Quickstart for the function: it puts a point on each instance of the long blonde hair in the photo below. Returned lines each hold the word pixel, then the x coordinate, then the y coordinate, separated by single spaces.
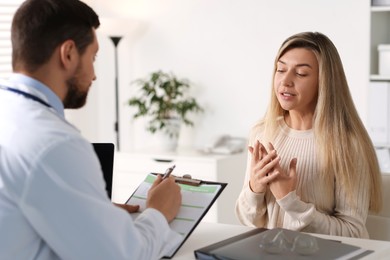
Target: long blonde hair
pixel 343 144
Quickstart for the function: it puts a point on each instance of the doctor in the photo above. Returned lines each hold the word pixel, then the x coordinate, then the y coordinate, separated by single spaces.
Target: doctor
pixel 53 203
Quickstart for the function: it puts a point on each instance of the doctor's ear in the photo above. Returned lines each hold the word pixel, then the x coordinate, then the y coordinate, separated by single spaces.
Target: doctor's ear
pixel 68 54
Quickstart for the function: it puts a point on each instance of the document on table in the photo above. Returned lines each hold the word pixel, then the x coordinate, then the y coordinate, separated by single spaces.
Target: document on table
pixel 277 244
pixel 196 201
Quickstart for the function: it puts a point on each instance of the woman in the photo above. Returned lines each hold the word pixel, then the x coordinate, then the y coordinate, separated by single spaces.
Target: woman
pixel 311 165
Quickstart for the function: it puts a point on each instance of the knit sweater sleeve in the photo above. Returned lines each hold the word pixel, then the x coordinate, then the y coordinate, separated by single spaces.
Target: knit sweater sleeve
pixel 347 219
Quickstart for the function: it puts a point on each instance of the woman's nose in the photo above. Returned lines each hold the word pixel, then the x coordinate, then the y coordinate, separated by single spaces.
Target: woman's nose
pixel 287 80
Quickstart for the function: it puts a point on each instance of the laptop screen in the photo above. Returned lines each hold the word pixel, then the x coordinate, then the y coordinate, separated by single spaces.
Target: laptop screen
pixel 105 153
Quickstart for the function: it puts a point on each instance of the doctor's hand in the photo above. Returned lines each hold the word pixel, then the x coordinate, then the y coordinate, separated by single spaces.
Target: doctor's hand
pixel 128 208
pixel 286 181
pixel 262 167
pixel 165 196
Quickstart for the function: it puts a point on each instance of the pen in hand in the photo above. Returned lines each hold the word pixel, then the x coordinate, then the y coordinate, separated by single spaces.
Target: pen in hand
pixel 168 172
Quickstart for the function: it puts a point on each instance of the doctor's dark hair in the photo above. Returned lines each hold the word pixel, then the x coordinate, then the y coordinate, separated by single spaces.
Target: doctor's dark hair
pixel 40 26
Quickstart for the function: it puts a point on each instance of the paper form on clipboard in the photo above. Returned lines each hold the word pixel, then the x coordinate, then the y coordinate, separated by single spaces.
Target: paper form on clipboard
pixel 196 201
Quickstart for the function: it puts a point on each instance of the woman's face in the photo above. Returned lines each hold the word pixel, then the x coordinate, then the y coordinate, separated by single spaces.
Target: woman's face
pixel 296 81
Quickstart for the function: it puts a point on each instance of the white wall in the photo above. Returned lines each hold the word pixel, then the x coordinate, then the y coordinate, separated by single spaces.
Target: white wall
pixel 226 48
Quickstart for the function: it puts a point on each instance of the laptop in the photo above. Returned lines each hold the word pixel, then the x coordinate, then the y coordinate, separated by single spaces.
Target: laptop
pixel 105 153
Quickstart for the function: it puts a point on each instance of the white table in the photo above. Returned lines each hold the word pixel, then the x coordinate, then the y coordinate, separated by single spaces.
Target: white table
pixel 209 233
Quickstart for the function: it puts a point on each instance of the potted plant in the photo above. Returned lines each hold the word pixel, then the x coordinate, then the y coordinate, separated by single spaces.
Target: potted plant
pixel 163 99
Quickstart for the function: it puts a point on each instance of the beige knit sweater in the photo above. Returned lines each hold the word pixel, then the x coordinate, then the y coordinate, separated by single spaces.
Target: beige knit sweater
pixel 311 208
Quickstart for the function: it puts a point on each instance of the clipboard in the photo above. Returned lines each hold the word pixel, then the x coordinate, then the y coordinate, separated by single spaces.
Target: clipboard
pixel 197 198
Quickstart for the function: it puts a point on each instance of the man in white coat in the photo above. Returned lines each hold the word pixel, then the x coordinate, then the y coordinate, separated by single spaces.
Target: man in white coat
pixel 53 203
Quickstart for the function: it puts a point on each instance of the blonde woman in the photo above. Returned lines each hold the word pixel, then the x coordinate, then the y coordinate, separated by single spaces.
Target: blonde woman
pixel 311 165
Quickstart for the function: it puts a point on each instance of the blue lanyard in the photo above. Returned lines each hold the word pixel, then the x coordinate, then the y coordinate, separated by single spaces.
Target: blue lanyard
pixel 26 95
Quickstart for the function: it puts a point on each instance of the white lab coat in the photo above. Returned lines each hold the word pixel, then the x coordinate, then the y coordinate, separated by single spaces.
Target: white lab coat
pixel 53 203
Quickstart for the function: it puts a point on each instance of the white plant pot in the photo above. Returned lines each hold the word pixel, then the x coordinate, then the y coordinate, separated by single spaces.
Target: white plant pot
pixel 165 142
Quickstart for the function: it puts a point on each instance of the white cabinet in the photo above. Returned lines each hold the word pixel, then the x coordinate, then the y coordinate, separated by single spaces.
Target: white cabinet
pixel 131 168
pixel 379 112
pixel 379 34
pixel 379 87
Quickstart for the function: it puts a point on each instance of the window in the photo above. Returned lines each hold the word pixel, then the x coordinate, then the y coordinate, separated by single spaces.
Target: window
pixel 7 10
